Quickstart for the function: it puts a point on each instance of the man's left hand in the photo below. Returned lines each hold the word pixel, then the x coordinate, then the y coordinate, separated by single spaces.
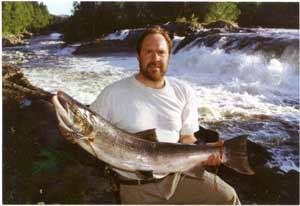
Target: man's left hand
pixel 214 160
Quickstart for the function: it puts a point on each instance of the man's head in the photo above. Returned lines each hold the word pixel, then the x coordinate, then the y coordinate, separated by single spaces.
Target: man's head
pixel 153 50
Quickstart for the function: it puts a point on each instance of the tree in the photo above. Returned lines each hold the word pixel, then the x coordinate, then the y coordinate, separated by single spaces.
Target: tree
pixel 20 16
pixel 222 11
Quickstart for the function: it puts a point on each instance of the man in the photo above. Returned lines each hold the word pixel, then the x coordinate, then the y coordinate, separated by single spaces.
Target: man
pixel 150 100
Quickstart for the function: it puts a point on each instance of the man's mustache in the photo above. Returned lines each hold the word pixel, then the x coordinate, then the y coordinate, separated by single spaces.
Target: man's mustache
pixel 152 64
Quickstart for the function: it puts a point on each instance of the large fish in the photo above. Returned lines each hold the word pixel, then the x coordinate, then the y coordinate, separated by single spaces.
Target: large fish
pixel 130 152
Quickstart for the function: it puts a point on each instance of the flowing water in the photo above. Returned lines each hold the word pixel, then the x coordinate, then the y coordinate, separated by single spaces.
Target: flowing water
pixel 246 83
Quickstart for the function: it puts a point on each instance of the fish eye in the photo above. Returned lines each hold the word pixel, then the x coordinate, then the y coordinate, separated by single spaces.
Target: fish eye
pixel 77 112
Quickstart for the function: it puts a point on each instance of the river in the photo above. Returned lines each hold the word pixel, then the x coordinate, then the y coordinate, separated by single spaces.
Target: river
pixel 244 85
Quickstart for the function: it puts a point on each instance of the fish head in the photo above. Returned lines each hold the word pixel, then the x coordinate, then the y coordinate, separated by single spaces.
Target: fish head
pixel 74 118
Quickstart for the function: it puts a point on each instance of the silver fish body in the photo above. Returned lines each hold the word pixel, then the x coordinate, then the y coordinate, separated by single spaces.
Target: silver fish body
pixel 129 152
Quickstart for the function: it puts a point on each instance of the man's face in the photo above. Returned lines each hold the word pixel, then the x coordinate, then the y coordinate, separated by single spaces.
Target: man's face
pixel 154 57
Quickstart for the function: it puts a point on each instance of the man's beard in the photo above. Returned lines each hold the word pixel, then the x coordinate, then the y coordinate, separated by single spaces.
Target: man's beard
pixel 157 76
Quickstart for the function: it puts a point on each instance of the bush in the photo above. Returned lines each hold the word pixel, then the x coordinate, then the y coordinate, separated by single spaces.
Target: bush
pixel 222 11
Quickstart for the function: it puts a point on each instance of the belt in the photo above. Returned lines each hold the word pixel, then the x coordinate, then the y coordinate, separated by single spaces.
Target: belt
pixel 138 182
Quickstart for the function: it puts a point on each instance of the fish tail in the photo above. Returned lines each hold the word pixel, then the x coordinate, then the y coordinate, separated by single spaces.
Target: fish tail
pixel 236 158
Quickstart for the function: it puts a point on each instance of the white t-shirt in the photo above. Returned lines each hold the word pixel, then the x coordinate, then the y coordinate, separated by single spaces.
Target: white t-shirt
pixel 134 107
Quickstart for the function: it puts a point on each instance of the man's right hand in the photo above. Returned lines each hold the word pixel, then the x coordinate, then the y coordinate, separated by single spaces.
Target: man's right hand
pixel 214 160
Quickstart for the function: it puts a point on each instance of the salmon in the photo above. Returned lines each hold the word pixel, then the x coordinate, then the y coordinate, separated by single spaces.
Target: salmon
pixel 138 152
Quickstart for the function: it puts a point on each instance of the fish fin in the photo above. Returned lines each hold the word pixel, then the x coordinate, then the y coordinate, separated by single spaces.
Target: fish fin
pixel 235 151
pixel 196 171
pixel 145 174
pixel 149 135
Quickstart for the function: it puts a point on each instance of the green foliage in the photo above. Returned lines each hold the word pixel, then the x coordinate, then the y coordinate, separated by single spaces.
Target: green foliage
pixel 20 16
pixel 192 21
pixel 222 11
pixel 51 159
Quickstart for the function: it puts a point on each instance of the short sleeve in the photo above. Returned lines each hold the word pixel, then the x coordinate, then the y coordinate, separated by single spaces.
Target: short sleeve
pixel 190 113
pixel 102 104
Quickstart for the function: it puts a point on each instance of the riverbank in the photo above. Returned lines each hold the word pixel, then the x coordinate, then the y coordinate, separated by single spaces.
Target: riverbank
pixel 40 166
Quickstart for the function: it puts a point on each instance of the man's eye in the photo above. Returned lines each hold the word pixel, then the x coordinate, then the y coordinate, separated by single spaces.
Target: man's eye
pixel 162 52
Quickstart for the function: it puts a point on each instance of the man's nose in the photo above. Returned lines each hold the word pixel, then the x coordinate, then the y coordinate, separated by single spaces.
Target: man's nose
pixel 155 56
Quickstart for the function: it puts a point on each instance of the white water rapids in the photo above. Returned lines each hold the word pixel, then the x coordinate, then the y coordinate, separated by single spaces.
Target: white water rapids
pixel 238 92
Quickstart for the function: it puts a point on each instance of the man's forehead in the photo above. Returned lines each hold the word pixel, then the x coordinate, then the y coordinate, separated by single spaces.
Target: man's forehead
pixel 155 40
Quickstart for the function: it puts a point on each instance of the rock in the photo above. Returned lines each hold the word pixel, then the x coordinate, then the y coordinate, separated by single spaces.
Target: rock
pixel 16 86
pixel 207 37
pixel 228 25
pixel 104 47
pixel 13 40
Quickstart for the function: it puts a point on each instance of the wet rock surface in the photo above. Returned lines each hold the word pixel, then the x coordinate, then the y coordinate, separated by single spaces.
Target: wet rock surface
pixel 39 165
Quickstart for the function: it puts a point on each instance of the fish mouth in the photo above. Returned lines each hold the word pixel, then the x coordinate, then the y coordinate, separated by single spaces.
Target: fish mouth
pixel 60 102
pixel 62 109
pixel 63 99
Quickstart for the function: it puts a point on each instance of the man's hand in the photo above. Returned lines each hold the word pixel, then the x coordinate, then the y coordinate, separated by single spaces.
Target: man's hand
pixel 214 160
pixel 188 139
